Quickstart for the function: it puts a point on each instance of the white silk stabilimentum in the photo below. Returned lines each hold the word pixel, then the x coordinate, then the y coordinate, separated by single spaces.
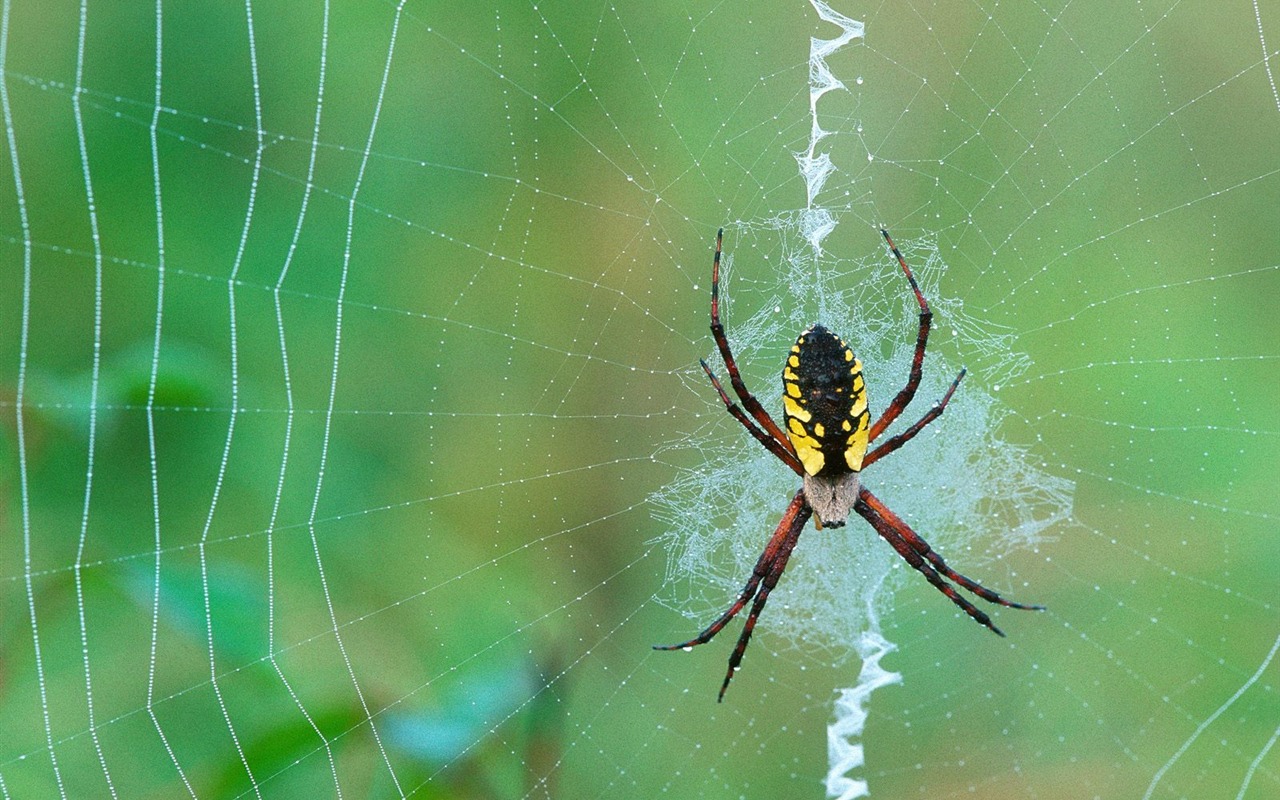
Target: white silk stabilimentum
pixel 844 751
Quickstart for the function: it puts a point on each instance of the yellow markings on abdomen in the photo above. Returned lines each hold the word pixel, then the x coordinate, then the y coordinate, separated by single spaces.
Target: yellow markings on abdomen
pixel 793 409
pixel 824 404
pixel 808 448
pixel 856 443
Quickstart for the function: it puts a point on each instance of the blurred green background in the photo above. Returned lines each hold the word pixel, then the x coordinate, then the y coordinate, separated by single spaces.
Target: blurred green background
pixel 436 574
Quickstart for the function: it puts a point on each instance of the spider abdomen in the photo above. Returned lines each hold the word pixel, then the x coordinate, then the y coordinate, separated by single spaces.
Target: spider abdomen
pixel 824 403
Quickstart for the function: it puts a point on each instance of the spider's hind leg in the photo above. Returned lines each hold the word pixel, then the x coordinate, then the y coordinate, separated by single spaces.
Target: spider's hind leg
pixel 900 401
pixel 749 401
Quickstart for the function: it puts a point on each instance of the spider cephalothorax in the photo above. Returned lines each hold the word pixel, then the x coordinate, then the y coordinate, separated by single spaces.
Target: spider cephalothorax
pixel 828 430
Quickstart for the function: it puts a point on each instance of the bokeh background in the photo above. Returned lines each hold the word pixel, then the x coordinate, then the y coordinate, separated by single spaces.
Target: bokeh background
pixel 345 349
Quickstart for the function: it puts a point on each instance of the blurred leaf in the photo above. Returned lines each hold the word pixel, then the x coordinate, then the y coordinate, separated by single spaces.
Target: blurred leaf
pixel 476 703
pixel 236 605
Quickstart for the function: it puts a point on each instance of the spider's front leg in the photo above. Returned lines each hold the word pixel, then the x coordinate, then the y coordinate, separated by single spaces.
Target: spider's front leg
pixel 917 543
pixel 917 552
pixel 764 577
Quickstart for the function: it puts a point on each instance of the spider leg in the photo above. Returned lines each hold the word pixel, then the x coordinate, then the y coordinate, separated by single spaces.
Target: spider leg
pixel 919 545
pixel 768 569
pixel 894 442
pixel 890 534
pixel 786 456
pixel 922 337
pixel 770 580
pixel 749 402
pixel 789 527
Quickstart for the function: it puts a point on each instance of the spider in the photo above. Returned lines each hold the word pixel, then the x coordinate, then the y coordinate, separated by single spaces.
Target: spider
pixel 828 430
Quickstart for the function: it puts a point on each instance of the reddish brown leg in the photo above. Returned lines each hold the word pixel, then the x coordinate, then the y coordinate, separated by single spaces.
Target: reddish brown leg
pixel 765 439
pixel 797 510
pixel 764 577
pixel 917 362
pixel 912 557
pixel 894 442
pixel 770 581
pixel 749 402
pixel 919 545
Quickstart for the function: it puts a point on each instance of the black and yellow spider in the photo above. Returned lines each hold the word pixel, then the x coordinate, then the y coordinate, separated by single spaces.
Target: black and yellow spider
pixel 824 403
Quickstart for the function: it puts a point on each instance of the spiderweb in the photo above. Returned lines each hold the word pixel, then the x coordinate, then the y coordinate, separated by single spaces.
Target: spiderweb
pixel 354 441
